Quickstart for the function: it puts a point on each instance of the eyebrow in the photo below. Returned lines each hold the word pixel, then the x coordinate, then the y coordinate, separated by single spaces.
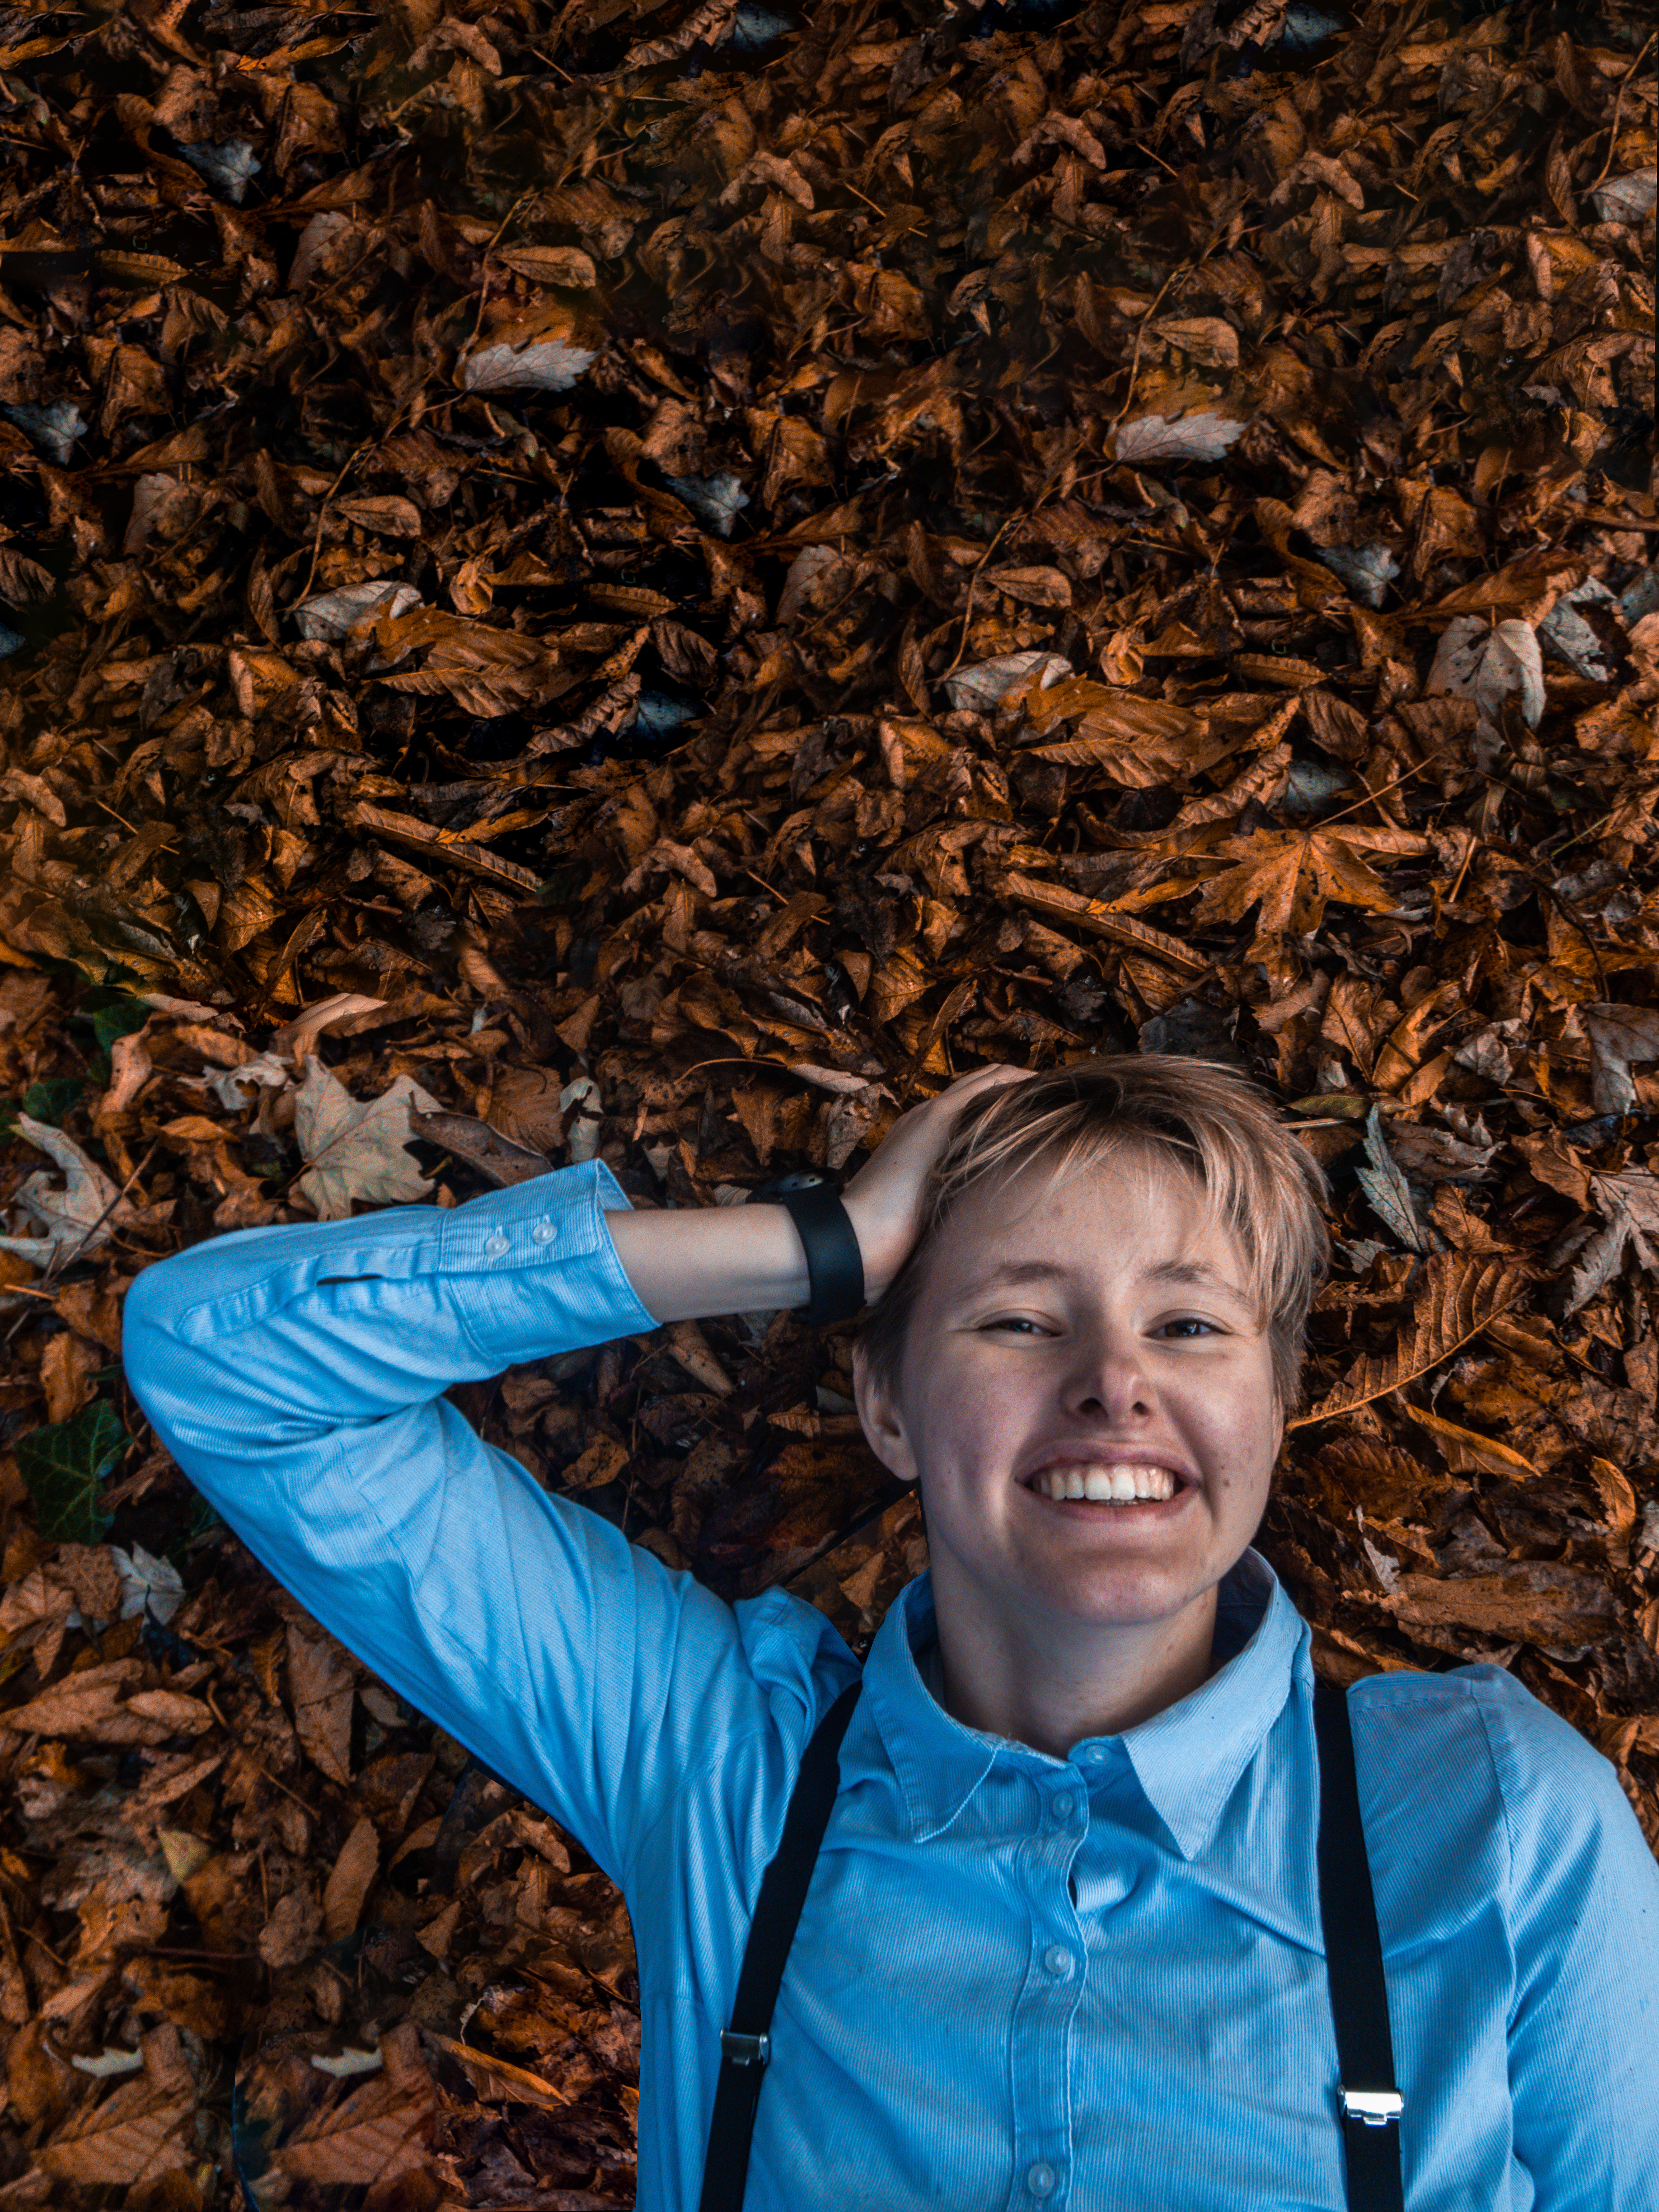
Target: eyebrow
pixel 1008 1272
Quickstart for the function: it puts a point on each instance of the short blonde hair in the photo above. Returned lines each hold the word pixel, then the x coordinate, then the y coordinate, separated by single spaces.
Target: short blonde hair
pixel 1216 1125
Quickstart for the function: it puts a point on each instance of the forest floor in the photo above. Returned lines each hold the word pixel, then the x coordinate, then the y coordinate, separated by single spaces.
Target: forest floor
pixel 659 582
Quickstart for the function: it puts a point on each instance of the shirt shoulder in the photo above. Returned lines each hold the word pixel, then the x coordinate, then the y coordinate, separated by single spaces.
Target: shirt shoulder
pixel 1459 1749
pixel 1527 1737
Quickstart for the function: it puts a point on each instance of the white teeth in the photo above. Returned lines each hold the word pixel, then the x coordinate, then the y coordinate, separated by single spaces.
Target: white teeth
pixel 1117 1485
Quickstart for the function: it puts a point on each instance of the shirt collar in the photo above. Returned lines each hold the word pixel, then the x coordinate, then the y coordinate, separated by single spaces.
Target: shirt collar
pixel 1187 1758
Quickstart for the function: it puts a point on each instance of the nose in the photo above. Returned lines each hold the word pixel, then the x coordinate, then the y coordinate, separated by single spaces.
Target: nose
pixel 1114 1376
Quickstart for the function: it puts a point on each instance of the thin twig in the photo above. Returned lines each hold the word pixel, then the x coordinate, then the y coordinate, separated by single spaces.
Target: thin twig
pixel 322 515
pixel 1613 128
pixel 1141 332
pixel 973 582
pixel 1325 820
pixel 54 1262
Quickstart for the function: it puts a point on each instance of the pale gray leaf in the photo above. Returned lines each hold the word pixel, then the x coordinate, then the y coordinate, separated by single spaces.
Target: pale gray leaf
pixel 1150 437
pixel 1618 1035
pixel 54 429
pixel 1570 637
pixel 982 686
pixel 228 167
pixel 716 498
pixel 1626 199
pixel 1387 1188
pixel 545 365
pixel 1488 663
pixel 336 614
pixel 1367 570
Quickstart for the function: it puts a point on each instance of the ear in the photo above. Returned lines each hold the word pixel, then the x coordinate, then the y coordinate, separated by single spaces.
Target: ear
pixel 882 1421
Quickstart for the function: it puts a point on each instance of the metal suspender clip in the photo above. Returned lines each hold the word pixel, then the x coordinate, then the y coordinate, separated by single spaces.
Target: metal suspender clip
pixel 745 2050
pixel 1377 2107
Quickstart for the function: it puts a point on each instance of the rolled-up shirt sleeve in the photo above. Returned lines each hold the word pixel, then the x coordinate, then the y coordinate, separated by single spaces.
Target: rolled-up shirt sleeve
pixel 297 1375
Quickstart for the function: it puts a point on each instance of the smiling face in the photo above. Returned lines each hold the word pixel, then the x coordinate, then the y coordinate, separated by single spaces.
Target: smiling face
pixel 1129 1350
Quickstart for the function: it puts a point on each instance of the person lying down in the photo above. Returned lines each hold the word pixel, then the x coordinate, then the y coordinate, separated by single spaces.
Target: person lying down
pixel 1065 1939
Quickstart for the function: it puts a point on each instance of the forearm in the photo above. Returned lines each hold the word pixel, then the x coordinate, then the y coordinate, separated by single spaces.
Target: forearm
pixel 267 1340
pixel 693 1264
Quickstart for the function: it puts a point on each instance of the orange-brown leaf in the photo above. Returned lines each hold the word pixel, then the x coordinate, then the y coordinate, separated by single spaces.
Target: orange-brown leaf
pixel 1458 1296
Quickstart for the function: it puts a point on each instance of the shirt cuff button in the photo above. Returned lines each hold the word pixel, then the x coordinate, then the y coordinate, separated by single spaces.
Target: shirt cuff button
pixel 543 1232
pixel 495 1246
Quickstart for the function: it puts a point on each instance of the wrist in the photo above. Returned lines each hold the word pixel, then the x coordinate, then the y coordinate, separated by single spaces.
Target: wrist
pixel 700 1263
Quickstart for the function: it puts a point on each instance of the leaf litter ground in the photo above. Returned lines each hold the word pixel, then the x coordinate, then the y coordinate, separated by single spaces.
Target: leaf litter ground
pixel 659 583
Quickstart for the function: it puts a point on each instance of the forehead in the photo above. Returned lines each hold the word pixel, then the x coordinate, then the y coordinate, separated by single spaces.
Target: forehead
pixel 1137 1214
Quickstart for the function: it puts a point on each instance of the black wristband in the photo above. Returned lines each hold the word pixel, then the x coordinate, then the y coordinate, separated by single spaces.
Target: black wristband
pixel 835 1265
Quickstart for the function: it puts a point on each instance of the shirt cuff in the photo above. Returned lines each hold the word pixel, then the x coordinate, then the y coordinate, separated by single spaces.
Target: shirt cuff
pixel 540 1265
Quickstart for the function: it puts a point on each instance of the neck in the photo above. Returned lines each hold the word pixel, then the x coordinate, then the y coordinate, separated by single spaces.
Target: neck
pixel 1027 1682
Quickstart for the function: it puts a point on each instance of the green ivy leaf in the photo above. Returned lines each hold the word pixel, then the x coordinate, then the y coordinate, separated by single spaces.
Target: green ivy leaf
pixel 119 1020
pixel 53 1099
pixel 64 1464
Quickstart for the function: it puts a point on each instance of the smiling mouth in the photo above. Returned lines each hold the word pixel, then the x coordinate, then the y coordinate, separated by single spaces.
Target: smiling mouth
pixel 1107 1485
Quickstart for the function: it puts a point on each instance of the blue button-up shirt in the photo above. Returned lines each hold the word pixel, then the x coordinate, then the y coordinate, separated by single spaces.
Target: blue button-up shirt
pixel 1095 1982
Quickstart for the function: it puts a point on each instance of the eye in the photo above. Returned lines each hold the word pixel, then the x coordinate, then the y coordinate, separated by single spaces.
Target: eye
pixel 1012 1321
pixel 1189 1322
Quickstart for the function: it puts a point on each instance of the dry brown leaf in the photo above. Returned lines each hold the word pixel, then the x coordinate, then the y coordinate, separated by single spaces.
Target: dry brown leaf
pixel 350 1882
pixel 320 1677
pixel 1457 1297
pixel 380 2131
pixel 357 1150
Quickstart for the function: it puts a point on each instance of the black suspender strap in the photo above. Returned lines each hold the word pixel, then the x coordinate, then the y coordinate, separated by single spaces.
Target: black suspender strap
pixel 1371 2103
pixel 746 2046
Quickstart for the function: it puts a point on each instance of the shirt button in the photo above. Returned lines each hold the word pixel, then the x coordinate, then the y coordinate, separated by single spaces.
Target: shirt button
pixel 543 1232
pixel 1060 1805
pixel 1040 2177
pixel 1094 1752
pixel 1058 1960
pixel 496 1245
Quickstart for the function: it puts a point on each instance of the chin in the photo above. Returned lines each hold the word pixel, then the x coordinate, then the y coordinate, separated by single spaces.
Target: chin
pixel 1117 1599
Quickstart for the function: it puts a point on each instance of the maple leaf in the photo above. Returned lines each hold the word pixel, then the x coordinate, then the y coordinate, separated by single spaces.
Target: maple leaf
pixel 1292 874
pixel 357 1150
